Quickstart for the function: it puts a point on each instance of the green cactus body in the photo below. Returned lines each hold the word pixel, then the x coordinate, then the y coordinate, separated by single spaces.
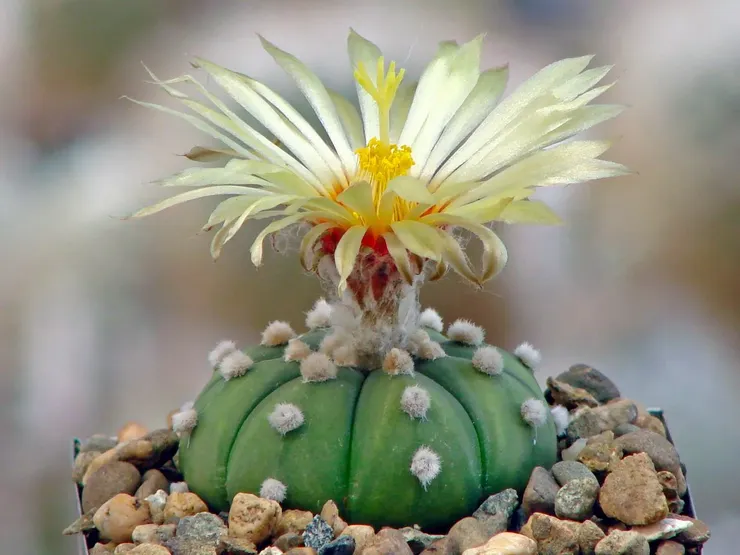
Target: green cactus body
pixel 356 444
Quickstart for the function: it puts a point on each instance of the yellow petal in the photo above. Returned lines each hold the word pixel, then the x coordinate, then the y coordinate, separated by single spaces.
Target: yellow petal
pixel 346 253
pixel 309 239
pixel 400 256
pixel 529 212
pixel 418 238
pixel 358 197
pixel 277 225
pixel 411 189
pixel 192 195
pixel 439 271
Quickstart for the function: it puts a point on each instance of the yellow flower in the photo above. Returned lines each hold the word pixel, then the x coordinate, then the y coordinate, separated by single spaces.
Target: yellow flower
pixel 417 161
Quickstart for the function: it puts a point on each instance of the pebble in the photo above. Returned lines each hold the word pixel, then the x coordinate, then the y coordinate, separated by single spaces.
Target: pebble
pixel 571 453
pixel 293 521
pixel 153 533
pixel 587 421
pixel 649 422
pixel 98 442
pixel 362 533
pixel 236 546
pixel 117 517
pixel 102 548
pixel 565 471
pixel 496 511
pixel 568 396
pixel 123 548
pixel 385 542
pixel 505 543
pixel 632 492
pixel 589 535
pixel 151 482
pixel 623 543
pixel 199 534
pixel 317 533
pixel 81 464
pixel 83 523
pixel 302 551
pixel 180 505
pixel 271 551
pixel 575 500
pixel 330 514
pixel 590 379
pixel 437 548
pixel 663 529
pixel 600 456
pixel 131 430
pixel 466 533
pixel 343 545
pixel 659 449
pixel 157 502
pixel 539 495
pixel 417 540
pixel 288 541
pixel 107 481
pixel 149 549
pixel 553 536
pixel 670 548
pixel 698 534
pixel 253 518
pixel 624 429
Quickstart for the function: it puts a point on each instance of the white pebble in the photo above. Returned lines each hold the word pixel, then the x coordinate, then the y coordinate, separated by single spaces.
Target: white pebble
pixel 317 367
pixel 465 331
pixel 277 333
pixel 285 418
pixel 430 318
pixel 273 489
pixel 415 401
pixel 179 487
pixel 220 351
pixel 529 356
pixel 488 360
pixel 425 465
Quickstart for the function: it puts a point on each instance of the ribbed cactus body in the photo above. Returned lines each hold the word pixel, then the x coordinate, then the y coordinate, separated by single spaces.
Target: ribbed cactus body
pixel 356 444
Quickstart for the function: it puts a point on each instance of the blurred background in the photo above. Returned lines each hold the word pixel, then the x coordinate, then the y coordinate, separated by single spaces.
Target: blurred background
pixel 104 321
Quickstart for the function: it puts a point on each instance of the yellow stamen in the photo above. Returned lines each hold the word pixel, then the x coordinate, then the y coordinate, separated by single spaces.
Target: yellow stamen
pixel 380 162
pixel 383 91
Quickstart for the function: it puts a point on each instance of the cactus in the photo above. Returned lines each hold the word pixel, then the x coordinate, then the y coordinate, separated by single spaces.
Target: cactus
pixel 374 407
pixel 424 445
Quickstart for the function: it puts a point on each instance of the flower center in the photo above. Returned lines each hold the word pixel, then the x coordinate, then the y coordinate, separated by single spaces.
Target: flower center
pixel 380 162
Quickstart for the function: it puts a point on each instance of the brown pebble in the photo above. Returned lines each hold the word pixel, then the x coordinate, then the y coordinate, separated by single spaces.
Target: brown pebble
pixel 150 549
pixel 288 541
pixel 117 517
pixel 698 534
pixel 362 533
pixel 180 505
pixel 589 535
pixel 632 492
pixel 81 464
pixel 467 533
pixel 302 551
pixel 293 521
pixel 505 543
pixel 109 480
pixel 123 548
pixel 330 515
pixel 253 518
pixel 131 430
pixel 151 482
pixel 385 542
pixel 670 548
pixel 102 548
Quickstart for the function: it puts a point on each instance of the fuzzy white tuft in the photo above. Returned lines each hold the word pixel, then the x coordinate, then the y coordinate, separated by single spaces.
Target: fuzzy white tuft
pixel 319 316
pixel 187 405
pixel 277 333
pixel 332 342
pixel 425 465
pixel 184 422
pixel 273 489
pixel 317 367
pixel 398 361
pixel 235 364
pixel 285 418
pixel 345 355
pixel 220 351
pixel 465 331
pixel 534 412
pixel 529 356
pixel 296 350
pixel 431 350
pixel 179 487
pixel 418 338
pixel 415 401
pixel 430 318
pixel 561 416
pixel 488 360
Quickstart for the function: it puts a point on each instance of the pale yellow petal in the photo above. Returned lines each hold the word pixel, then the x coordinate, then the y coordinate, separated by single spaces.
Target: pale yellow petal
pixel 358 197
pixel 411 189
pixel 196 194
pixel 400 256
pixel 277 225
pixel 362 51
pixel 418 238
pixel 309 239
pixel 346 253
pixel 529 212
pixel 351 120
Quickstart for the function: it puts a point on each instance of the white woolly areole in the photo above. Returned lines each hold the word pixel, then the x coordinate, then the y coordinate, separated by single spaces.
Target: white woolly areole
pixel 530 356
pixel 425 465
pixel 218 353
pixel 332 342
pixel 317 367
pixel 273 489
pixel 184 422
pixel 561 416
pixel 187 405
pixel 415 401
pixel 488 360
pixel 345 355
pixel 179 487
pixel 430 318
pixel 398 361
pixel 431 350
pixel 534 412
pixel 285 418
pixel 277 333
pixel 296 350
pixel 465 331
pixel 319 316
pixel 416 340
pixel 234 364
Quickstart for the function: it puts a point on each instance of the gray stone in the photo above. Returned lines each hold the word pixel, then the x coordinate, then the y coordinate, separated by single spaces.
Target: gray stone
pixel 289 540
pixel 571 453
pixel 575 500
pixel 98 442
pixel 417 540
pixel 588 422
pixel 236 546
pixel 624 429
pixel 565 471
pixel 343 545
pixel 539 495
pixel 465 534
pixel 203 528
pixel 590 379
pixel 623 543
pixel 496 511
pixel 318 533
